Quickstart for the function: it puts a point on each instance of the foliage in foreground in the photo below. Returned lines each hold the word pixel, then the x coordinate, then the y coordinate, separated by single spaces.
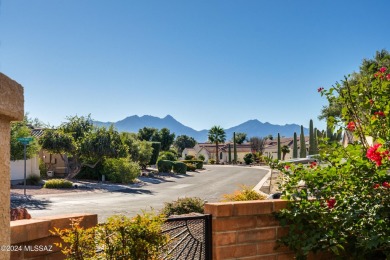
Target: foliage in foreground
pixel 138 238
pixel 245 193
pixel 343 206
pixel 58 183
pixel 183 206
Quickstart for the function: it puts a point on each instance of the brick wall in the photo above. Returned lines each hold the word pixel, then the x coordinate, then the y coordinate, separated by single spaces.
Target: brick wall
pixel 247 230
pixel 31 239
pixel 11 109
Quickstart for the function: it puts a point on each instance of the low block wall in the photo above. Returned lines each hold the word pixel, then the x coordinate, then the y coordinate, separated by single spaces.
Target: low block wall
pixel 31 239
pixel 247 230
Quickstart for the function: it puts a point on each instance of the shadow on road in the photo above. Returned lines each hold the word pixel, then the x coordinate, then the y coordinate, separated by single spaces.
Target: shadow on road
pixel 134 191
pixel 28 202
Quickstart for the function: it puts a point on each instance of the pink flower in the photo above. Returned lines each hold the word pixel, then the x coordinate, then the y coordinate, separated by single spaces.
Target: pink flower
pixel 385 184
pixel 331 203
pixel 320 89
pixel 351 126
pixel 313 164
pixel 376 156
pixel 376 186
pixel 383 69
pixel 287 167
pixel 388 76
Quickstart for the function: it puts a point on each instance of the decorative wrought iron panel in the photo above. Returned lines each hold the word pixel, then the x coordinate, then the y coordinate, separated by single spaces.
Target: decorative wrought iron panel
pixel 190 237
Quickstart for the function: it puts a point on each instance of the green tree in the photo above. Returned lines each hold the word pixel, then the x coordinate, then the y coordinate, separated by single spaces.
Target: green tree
pixel 145 153
pixel 295 147
pixel 148 134
pixel 84 144
pixel 311 138
pixel 302 149
pixel 230 154
pixel 234 148
pixel 182 142
pixel 217 135
pixel 285 150
pixel 165 137
pixel 279 148
pixel 240 138
pixel 19 130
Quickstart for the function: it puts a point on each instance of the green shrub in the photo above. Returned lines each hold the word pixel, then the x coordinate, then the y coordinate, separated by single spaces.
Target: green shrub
pixel 120 237
pixel 166 155
pixel 249 158
pixel 189 157
pixel 179 167
pixel 156 151
pixel 88 173
pixel 33 179
pixel 164 166
pixel 211 161
pixel 245 193
pixel 120 170
pixel 197 163
pixel 42 168
pixel 190 167
pixel 201 157
pixel 58 183
pixel 183 206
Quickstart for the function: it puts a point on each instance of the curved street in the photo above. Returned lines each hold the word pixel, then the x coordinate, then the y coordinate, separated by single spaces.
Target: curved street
pixel 209 184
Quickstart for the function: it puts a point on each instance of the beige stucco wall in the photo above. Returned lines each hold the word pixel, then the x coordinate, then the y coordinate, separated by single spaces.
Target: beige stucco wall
pixel 11 109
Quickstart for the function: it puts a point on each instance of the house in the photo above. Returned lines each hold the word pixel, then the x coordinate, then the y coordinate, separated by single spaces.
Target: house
pixel 271 147
pixel 208 151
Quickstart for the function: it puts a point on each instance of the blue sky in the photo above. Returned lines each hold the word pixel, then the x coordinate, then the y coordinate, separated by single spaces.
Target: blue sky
pixel 203 62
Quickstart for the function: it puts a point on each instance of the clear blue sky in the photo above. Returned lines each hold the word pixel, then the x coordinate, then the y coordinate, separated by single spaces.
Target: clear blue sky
pixel 203 62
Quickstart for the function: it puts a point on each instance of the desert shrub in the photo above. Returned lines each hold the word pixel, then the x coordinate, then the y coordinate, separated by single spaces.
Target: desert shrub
pixel 189 157
pixel 33 179
pixel 120 170
pixel 183 206
pixel 166 155
pixel 137 238
pixel 164 165
pixel 179 167
pixel 42 168
pixel 190 167
pixel 201 157
pixel 249 158
pixel 58 183
pixel 88 173
pixel 245 193
pixel 212 161
pixel 197 163
pixel 156 151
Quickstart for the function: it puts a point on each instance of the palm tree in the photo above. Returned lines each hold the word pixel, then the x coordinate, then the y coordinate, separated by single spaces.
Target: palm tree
pixel 217 135
pixel 285 149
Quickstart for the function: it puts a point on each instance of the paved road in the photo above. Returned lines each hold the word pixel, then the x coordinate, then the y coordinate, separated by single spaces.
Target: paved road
pixel 209 185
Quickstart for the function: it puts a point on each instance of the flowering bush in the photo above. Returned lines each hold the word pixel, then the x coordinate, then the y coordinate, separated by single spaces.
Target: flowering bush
pixel 343 205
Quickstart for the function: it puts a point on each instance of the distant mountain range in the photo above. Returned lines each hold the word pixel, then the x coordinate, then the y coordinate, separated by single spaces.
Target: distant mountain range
pixel 251 128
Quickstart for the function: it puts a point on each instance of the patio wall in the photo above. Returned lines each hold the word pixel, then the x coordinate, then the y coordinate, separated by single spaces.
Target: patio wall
pixel 248 230
pixel 32 240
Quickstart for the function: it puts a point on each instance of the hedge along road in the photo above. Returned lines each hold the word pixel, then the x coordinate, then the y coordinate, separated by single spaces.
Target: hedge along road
pixel 209 185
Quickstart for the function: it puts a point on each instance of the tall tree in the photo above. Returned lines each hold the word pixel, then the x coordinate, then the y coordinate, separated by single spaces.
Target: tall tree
pixel 311 138
pixel 234 148
pixel 285 150
pixel 148 134
pixel 18 130
pixel 279 148
pixel 230 154
pixel 165 138
pixel 184 141
pixel 295 147
pixel 240 138
pixel 257 144
pixel 302 148
pixel 217 135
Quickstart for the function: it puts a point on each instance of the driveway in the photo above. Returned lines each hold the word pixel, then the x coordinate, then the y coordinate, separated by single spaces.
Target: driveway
pixel 150 193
